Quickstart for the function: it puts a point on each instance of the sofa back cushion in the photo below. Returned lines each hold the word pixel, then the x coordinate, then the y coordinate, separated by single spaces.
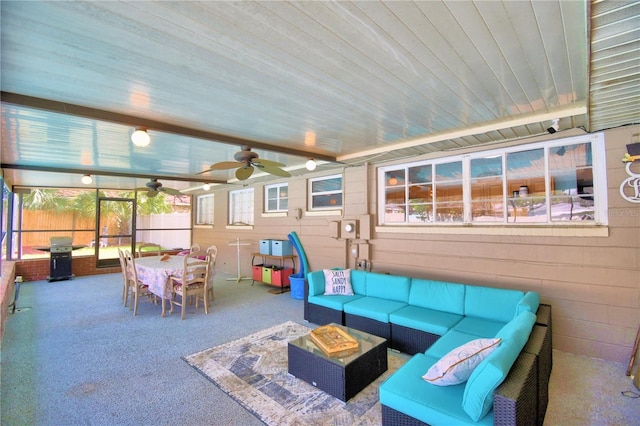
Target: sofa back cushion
pixel 497 304
pixel 437 295
pixel 477 399
pixel 530 302
pixel 316 283
pixel 359 281
pixel 389 287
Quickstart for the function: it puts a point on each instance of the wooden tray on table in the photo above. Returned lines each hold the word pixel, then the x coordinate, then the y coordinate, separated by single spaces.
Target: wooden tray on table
pixel 333 341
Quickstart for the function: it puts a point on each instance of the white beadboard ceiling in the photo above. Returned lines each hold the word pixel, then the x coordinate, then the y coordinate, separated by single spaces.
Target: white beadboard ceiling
pixel 341 81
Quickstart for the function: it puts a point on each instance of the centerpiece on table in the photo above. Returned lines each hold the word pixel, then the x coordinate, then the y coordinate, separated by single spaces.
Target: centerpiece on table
pixel 333 340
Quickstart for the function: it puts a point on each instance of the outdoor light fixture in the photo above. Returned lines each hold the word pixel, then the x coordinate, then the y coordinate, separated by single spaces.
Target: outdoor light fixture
pixel 311 164
pixel 140 137
pixel 555 126
pixel 87 180
pixel 206 187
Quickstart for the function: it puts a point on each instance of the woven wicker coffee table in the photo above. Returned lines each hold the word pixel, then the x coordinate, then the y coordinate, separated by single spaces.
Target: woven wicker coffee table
pixel 341 375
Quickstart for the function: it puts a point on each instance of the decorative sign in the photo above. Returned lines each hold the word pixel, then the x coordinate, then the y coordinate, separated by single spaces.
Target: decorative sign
pixel 630 187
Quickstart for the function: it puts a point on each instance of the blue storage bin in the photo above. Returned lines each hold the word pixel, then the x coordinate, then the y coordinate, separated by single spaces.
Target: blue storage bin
pixel 265 246
pixel 281 248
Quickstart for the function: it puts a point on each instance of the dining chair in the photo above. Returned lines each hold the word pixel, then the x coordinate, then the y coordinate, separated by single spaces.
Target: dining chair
pixel 192 282
pixel 195 247
pixel 125 285
pixel 212 254
pixel 154 249
pixel 135 287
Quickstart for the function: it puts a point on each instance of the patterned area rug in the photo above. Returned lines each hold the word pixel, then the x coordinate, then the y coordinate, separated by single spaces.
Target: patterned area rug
pixel 253 371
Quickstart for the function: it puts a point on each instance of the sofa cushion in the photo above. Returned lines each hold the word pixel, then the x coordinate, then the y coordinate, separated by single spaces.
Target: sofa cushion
pixel 359 281
pixel 497 304
pixel 407 392
pixel 479 327
pixel 448 342
pixel 478 393
pixel 334 302
pixel 437 295
pixel 423 319
pixel 337 282
pixel 389 287
pixel 316 283
pixel 457 365
pixel 373 308
pixel 518 329
pixel 530 302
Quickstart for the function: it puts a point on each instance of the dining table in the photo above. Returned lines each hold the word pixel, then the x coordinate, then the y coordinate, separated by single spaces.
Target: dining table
pixel 156 272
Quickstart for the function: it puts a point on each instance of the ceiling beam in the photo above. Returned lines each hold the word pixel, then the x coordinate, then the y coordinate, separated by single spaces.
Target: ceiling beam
pixel 161 126
pixel 108 173
pixel 571 111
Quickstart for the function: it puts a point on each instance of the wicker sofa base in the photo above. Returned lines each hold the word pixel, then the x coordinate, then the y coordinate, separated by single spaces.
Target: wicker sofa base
pixel 397 418
pixel 410 340
pixel 322 315
pixel 368 325
pixel 515 401
pixel 539 345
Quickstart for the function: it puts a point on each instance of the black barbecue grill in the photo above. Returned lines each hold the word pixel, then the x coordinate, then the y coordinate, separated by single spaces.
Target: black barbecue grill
pixel 60 263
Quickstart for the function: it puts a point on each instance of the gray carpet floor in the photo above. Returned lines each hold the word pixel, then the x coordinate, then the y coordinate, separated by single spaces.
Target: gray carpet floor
pixel 72 354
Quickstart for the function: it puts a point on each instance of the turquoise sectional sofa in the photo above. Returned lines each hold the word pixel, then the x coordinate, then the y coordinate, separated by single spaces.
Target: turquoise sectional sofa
pixel 428 319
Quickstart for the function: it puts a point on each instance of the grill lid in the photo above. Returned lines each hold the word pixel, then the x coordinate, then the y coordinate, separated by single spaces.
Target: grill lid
pixel 61 241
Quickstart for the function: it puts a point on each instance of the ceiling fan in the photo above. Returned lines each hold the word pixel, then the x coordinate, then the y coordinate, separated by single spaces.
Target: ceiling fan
pixel 246 161
pixel 153 187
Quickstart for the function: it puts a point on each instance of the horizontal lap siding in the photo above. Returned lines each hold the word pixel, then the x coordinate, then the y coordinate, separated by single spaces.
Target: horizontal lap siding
pixel 593 283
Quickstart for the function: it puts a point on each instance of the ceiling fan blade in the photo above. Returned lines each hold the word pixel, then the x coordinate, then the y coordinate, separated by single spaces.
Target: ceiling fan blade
pixel 171 191
pixel 275 170
pixel 225 165
pixel 267 162
pixel 243 173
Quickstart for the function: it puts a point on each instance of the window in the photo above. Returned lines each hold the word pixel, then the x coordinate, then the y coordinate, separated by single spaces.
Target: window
pixel 325 192
pixel 448 192
pixel 241 207
pixel 163 219
pixel 544 183
pixel 42 213
pixel 276 197
pixel 204 209
pixel 486 180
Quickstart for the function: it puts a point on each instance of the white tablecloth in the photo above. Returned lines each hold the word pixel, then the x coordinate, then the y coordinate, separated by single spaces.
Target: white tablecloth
pixel 155 273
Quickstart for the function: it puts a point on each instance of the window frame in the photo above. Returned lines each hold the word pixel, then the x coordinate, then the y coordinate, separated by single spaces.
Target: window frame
pixel 598 169
pixel 279 200
pixel 249 210
pixel 311 195
pixel 209 214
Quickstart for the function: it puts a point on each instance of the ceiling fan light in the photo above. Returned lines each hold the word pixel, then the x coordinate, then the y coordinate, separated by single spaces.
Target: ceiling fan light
pixel 140 137
pixel 206 187
pixel 87 180
pixel 311 164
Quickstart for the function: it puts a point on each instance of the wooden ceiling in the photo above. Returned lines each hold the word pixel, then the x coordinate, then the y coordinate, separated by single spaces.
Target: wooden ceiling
pixel 345 82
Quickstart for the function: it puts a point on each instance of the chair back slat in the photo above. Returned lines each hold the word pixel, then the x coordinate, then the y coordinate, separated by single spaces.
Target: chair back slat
pixel 194 269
